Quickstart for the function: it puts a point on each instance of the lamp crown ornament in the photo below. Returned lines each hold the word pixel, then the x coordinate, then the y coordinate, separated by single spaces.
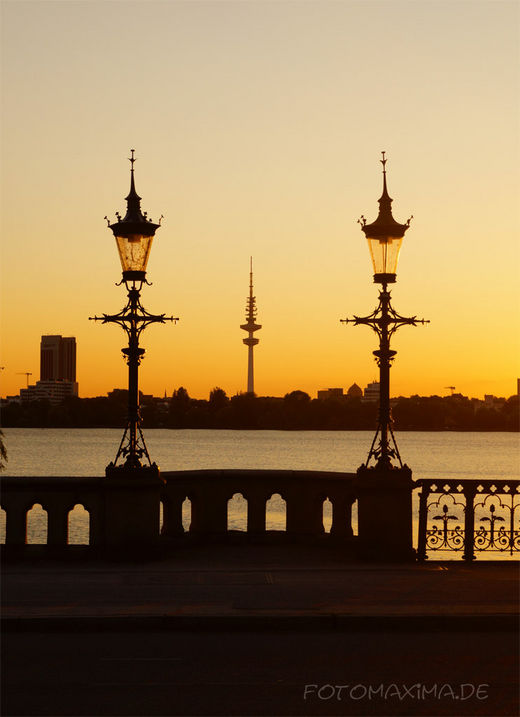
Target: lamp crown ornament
pixel 134 215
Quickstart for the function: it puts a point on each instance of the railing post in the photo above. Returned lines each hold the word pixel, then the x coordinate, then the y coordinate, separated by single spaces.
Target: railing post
pixel 423 522
pixel 131 509
pixel 385 513
pixel 512 524
pixel 469 522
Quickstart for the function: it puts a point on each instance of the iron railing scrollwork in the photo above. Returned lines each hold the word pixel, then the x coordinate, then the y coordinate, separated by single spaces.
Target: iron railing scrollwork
pixel 469 516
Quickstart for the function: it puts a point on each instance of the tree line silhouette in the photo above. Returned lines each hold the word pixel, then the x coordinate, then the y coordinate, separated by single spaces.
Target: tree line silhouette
pixel 295 411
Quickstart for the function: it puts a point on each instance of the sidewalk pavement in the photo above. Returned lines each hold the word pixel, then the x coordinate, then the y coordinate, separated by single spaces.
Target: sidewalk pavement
pixel 257 585
pixel 236 631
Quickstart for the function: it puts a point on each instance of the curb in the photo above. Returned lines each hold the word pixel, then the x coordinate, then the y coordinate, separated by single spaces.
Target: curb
pixel 254 623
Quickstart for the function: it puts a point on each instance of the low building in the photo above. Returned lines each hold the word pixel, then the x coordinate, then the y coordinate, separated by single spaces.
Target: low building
pixel 371 392
pixel 491 401
pixel 52 391
pixel 330 393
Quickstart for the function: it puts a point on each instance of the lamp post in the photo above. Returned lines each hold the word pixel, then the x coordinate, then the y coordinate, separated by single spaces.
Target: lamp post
pixel 384 237
pixel 384 490
pixel 134 235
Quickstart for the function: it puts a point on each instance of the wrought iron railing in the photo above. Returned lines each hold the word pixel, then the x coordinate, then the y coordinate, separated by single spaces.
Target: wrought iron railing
pixel 470 517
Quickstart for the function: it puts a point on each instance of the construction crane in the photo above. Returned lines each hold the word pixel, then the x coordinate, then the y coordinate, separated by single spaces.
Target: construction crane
pixel 451 388
pixel 26 374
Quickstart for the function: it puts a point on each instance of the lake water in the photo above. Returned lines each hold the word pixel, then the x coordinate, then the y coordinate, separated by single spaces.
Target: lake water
pixel 86 452
pixel 77 452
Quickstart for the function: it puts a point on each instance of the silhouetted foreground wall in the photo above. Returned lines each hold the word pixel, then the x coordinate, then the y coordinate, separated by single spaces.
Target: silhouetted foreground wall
pixel 123 512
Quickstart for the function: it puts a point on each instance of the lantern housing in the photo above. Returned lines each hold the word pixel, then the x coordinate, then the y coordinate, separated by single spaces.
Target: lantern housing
pixel 134 235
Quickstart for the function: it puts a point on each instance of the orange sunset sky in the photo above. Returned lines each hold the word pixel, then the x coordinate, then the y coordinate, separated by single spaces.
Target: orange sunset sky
pixel 258 128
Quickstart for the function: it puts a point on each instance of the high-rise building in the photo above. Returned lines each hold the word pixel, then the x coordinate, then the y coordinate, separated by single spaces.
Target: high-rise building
pixel 58 358
pixel 250 326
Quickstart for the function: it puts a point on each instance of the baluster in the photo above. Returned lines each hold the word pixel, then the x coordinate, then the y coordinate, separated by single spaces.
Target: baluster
pixel 256 513
pixel 209 513
pixel 16 524
pixel 172 516
pixel 57 526
pixel 304 514
pixel 96 523
pixel 342 517
pixel 469 522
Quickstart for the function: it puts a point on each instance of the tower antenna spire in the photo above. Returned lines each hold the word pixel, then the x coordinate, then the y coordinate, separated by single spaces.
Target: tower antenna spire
pixel 250 326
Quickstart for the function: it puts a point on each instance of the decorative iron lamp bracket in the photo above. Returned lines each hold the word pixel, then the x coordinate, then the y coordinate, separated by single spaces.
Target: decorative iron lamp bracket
pixel 385 321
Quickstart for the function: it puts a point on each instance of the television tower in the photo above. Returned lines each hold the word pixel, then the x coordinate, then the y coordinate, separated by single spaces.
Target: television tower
pixel 250 326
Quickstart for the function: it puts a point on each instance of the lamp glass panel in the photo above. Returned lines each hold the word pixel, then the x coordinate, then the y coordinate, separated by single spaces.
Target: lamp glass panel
pixel 384 251
pixel 134 250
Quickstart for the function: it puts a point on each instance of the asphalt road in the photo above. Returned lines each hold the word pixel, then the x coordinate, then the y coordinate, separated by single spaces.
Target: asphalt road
pixel 230 673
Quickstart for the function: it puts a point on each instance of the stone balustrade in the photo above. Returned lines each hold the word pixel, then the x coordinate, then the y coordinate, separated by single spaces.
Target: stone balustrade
pixel 57 496
pixel 123 512
pixel 304 493
pixel 125 509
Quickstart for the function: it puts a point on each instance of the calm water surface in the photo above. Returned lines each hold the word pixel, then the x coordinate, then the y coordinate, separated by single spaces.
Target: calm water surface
pixel 76 452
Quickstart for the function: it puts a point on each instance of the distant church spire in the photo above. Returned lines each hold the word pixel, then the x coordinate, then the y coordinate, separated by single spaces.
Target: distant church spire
pixel 250 326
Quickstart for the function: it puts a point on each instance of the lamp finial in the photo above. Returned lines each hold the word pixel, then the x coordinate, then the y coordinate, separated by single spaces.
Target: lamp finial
pixel 385 196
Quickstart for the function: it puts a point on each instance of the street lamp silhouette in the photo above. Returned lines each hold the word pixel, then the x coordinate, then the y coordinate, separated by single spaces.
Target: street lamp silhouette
pixel 134 236
pixel 385 237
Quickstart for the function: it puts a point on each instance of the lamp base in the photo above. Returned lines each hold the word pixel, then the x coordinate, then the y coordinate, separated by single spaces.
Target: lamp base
pixel 132 472
pixel 134 276
pixel 385 514
pixel 384 278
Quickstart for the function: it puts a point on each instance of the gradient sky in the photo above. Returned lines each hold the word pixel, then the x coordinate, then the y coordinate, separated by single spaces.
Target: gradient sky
pixel 258 128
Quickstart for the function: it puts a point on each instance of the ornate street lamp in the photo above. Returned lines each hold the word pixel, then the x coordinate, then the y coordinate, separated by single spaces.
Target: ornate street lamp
pixel 384 237
pixel 134 235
